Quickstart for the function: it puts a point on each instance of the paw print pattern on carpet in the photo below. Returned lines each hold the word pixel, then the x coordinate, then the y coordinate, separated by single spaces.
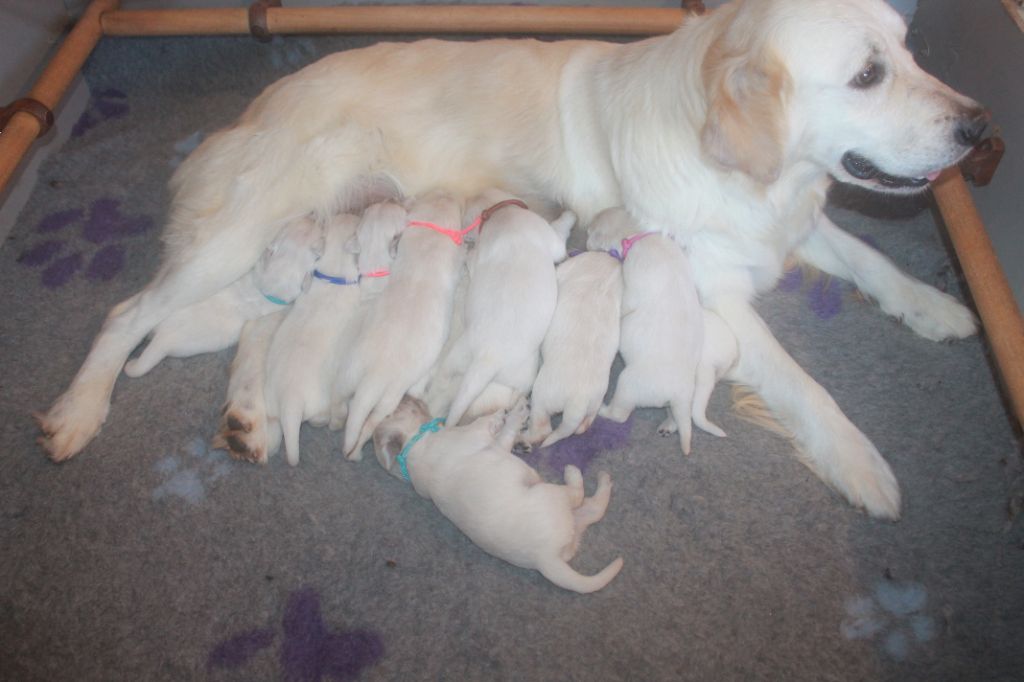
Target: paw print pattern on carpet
pixel 603 435
pixel 309 651
pixel 186 474
pixel 893 615
pixel 96 250
pixel 824 293
pixel 104 105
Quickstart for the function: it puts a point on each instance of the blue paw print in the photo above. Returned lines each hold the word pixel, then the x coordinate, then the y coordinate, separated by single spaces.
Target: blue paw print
pixel 96 250
pixel 309 651
pixel 104 105
pixel 186 474
pixel 894 615
pixel 825 294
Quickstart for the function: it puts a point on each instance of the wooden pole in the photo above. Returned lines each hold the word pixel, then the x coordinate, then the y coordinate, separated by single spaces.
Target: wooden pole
pixel 992 295
pixel 21 131
pixel 415 19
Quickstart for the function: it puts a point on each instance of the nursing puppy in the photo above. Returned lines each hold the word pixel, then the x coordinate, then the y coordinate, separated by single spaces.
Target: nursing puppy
pixel 308 347
pixel 500 502
pixel 376 243
pixel 404 332
pixel 279 277
pixel 579 347
pixel 749 112
pixel 662 325
pixel 511 298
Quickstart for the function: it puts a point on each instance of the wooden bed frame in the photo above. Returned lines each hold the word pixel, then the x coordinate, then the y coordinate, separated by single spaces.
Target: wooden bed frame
pixel 30 117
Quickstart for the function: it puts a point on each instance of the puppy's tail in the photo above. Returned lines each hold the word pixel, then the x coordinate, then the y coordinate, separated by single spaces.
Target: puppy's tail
pixel 705 383
pixel 572 421
pixel 566 577
pixel 290 420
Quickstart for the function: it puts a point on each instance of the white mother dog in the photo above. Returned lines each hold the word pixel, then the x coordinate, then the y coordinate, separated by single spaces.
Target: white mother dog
pixel 749 111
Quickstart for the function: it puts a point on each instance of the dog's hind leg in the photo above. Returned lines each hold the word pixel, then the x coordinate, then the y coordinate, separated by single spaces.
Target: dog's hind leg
pixel 826 441
pixel 593 508
pixel 479 374
pixel 572 421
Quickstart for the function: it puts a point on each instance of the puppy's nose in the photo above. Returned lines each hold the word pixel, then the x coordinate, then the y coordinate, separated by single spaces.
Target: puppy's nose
pixel 971 125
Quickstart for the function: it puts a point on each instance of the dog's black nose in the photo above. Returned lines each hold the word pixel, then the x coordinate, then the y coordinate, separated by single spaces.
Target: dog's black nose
pixel 970 127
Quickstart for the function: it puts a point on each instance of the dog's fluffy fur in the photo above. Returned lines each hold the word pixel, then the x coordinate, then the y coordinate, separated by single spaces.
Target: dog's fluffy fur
pixel 725 133
pixel 499 501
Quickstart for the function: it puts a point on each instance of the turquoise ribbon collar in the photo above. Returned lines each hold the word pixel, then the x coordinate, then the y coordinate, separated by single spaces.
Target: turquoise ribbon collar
pixel 432 426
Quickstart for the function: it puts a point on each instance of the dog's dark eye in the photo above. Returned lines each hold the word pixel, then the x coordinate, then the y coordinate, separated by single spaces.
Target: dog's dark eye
pixel 872 74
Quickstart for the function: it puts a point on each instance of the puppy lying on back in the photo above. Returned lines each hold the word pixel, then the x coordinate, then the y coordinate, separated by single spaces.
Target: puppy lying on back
pixel 579 347
pixel 215 323
pixel 307 348
pixel 511 297
pixel 408 324
pixel 491 495
pixel 662 328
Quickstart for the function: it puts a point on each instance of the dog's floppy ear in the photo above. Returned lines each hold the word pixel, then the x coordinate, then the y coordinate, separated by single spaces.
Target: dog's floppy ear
pixel 387 444
pixel 745 127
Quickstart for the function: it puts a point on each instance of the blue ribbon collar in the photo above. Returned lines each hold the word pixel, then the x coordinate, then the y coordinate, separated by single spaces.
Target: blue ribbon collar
pixel 334 280
pixel 432 426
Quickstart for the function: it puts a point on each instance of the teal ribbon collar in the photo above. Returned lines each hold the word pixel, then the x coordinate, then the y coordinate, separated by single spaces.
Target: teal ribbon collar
pixel 432 426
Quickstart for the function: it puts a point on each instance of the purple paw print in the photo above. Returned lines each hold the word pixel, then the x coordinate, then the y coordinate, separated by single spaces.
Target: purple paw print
pixel 103 106
pixel 309 651
pixel 824 293
pixel 581 450
pixel 96 248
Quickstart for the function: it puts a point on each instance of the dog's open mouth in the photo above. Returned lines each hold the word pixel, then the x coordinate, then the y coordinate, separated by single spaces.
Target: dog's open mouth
pixel 863 169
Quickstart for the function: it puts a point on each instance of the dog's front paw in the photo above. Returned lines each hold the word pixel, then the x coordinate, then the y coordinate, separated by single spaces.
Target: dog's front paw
pixel 668 427
pixel 933 314
pixel 863 476
pixel 70 424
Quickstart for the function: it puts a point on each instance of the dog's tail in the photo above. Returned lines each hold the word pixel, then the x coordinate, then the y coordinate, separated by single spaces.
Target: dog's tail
pixel 480 373
pixel 566 577
pixel 573 419
pixel 681 409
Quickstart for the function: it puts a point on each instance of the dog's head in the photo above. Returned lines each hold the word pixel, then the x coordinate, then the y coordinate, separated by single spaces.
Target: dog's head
pixel 609 228
pixel 284 269
pixel 830 82
pixel 394 432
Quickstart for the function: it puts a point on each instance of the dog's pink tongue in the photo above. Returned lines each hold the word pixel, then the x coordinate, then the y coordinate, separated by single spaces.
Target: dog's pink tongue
pixel 933 176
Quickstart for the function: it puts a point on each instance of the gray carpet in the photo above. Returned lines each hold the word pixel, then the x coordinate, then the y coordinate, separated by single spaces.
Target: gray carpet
pixel 151 557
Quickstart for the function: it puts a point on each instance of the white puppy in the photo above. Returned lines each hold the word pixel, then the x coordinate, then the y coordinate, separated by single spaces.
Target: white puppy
pixel 306 351
pixel 376 242
pixel 662 328
pixel 404 332
pixel 491 495
pixel 512 294
pixel 579 347
pixel 717 358
pixel 215 323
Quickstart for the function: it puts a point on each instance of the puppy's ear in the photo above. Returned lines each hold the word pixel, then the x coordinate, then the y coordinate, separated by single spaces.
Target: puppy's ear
pixel 387 444
pixel 745 125
pixel 393 247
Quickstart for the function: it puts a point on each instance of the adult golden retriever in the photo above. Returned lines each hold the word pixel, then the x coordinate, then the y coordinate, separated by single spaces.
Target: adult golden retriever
pixel 724 134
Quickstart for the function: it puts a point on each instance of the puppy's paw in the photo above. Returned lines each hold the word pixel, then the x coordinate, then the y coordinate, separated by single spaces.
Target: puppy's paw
pixel 668 427
pixel 243 435
pixel 933 314
pixel 70 424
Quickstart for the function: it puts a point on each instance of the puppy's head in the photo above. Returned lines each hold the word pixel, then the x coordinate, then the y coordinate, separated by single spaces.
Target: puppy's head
pixel 830 82
pixel 284 269
pixel 394 432
pixel 376 242
pixel 609 228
